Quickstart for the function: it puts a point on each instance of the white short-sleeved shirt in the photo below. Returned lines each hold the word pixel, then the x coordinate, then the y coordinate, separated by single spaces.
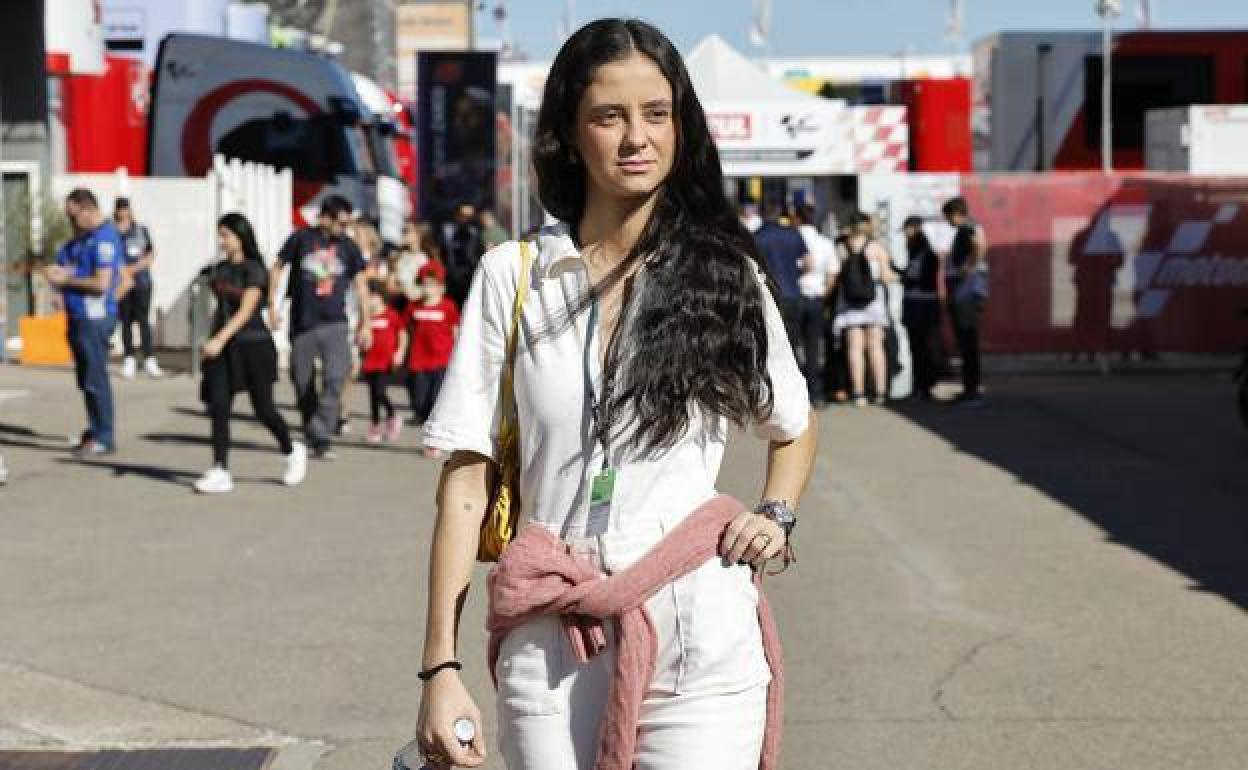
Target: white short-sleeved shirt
pixel 558 454
pixel 824 262
pixel 709 640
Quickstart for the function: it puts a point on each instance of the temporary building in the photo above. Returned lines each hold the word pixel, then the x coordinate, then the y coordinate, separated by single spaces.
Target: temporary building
pixel 762 126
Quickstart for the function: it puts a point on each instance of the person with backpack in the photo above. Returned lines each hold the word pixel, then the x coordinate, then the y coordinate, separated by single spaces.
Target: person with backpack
pixel 861 309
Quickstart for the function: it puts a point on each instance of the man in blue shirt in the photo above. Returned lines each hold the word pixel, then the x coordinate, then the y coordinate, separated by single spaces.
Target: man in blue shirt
pixel 86 274
pixel 784 251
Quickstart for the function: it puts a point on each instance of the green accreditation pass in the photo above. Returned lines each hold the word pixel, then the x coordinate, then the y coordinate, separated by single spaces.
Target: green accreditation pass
pixel 601 490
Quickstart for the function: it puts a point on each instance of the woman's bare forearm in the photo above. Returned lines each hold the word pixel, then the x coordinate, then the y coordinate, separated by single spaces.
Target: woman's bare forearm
pixel 461 501
pixel 789 464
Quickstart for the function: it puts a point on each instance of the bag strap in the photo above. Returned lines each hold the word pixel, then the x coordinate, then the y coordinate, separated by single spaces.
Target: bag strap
pixel 513 336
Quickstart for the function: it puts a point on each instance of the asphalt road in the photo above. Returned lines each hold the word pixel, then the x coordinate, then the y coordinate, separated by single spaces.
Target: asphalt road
pixel 1055 581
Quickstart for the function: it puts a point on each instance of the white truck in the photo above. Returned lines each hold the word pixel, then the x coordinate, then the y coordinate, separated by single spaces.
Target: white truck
pixel 1206 140
pixel 288 109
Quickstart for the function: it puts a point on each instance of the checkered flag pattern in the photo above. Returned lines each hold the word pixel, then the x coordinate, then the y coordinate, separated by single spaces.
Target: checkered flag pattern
pixel 881 139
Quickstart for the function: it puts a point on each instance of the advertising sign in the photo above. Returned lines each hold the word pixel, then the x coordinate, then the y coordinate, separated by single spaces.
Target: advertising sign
pixel 1135 263
pixel 456 131
pixel 1087 263
pixel 428 25
pixel 756 138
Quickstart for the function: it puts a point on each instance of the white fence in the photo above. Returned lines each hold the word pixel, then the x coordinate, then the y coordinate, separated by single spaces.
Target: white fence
pixel 264 194
pixel 182 214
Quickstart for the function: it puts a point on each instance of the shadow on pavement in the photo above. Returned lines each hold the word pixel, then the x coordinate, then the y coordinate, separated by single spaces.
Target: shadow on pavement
pixel 1159 464
pixel 29 438
pixel 242 416
pixel 174 476
pixel 197 439
pixel 204 440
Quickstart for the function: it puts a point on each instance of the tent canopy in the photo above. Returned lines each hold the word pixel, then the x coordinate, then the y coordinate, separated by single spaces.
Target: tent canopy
pixel 721 73
pixel 761 126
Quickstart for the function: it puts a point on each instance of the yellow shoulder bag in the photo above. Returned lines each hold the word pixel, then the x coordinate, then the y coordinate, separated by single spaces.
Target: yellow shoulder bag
pixel 499 524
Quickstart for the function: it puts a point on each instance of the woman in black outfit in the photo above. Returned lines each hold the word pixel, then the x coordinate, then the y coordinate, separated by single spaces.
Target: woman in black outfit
pixel 924 298
pixel 240 355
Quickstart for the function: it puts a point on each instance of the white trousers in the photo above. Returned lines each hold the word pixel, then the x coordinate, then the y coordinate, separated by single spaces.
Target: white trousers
pixel 706 706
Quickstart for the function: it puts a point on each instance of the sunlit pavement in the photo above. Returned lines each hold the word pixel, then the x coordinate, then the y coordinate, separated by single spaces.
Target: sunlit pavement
pixel 1054 581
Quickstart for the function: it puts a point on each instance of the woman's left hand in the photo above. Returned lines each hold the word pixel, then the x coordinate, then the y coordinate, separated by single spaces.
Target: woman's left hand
pixel 752 538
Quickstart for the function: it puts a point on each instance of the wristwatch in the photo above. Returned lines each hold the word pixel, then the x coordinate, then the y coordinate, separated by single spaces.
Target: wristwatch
pixel 779 512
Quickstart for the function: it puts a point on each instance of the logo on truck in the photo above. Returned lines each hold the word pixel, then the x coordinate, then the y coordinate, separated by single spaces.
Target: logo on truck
pixel 197 143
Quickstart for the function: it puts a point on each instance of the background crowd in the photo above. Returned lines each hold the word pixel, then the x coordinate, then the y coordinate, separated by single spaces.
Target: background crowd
pixel 854 311
pixel 354 306
pixel 358 308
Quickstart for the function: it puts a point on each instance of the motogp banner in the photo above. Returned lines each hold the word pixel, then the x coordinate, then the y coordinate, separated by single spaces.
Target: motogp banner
pixel 1088 263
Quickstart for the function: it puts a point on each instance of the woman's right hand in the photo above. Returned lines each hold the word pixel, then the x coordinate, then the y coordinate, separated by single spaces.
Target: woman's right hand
pixel 444 700
pixel 212 347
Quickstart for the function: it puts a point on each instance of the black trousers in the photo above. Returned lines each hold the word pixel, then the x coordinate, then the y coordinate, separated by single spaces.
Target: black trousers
pixel 133 310
pixel 836 363
pixel 968 347
pixel 810 328
pixel 422 389
pixel 378 399
pixel 247 365
pixel 921 318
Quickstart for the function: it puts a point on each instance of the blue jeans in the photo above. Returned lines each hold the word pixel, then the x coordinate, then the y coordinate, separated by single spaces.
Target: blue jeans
pixel 88 339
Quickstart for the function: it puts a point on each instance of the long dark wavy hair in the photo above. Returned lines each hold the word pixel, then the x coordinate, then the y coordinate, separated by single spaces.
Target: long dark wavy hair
pixel 698 322
pixel 238 224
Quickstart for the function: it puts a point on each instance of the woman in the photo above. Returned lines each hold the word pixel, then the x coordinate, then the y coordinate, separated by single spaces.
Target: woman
pixel 924 297
pixel 240 355
pixel 412 257
pixel 863 320
pixel 378 265
pixel 647 331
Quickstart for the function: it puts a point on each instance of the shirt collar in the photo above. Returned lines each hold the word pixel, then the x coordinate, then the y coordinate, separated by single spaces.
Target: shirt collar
pixel 556 251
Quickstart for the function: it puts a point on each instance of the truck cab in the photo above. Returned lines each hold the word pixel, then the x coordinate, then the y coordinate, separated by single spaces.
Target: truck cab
pixel 289 109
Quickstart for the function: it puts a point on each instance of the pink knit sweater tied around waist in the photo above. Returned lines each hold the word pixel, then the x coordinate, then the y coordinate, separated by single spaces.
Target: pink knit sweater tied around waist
pixel 539 575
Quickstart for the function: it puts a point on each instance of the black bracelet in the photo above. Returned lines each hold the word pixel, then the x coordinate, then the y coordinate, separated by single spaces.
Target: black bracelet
pixel 429 673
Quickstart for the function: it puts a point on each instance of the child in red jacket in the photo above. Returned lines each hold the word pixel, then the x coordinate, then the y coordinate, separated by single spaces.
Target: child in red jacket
pixel 433 320
pixel 385 355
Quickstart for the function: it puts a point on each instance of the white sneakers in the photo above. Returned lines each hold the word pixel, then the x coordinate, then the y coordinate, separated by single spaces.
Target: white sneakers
pixel 296 464
pixel 151 367
pixel 217 480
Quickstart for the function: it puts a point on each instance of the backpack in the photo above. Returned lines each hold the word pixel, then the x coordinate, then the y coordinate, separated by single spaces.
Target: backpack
pixel 857 283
